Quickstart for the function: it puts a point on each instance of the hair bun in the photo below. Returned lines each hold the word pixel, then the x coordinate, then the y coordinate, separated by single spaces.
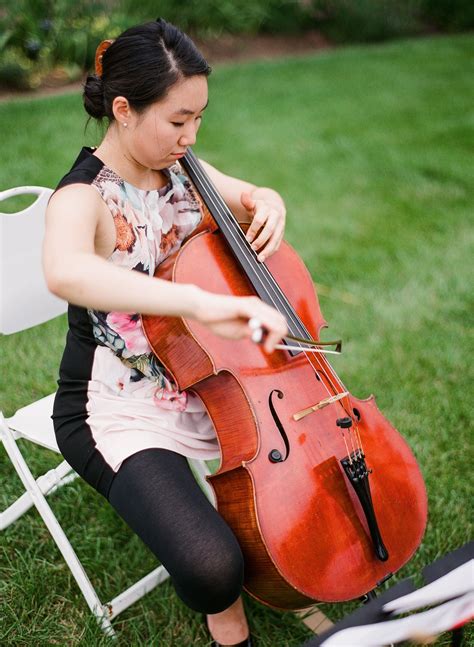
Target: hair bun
pixel 93 96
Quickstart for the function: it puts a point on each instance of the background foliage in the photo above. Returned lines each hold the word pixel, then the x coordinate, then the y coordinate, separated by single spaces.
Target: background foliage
pixel 46 38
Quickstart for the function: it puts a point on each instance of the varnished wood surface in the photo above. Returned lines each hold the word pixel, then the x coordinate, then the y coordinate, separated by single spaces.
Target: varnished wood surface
pixel 299 522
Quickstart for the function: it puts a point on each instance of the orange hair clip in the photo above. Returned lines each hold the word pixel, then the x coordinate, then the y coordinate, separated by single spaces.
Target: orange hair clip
pixel 99 53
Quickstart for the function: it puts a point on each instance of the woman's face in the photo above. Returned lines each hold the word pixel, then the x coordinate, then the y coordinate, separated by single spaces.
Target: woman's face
pixel 159 136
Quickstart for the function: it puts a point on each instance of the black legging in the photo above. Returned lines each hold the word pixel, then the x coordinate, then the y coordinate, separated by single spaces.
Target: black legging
pixel 155 492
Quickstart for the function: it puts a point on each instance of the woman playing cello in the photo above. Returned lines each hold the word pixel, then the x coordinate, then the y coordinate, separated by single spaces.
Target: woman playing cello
pixel 120 420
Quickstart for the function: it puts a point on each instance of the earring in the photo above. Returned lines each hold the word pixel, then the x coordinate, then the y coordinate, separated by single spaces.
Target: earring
pixel 124 124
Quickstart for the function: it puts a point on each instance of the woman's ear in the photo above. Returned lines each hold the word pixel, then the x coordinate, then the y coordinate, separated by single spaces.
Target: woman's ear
pixel 121 109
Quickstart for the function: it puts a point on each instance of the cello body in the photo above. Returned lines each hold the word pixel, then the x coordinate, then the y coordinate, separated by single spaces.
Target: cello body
pixel 304 534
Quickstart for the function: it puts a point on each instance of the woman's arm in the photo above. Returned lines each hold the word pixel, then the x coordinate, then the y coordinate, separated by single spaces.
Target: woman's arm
pixel 264 208
pixel 76 273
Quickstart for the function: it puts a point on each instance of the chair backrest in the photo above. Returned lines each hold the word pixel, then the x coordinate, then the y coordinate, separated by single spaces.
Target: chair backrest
pixel 24 297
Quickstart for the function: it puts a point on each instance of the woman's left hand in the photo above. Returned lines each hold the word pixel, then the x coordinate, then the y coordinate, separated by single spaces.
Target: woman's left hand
pixel 267 226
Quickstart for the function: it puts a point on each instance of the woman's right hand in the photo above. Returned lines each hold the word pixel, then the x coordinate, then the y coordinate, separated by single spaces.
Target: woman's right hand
pixel 229 317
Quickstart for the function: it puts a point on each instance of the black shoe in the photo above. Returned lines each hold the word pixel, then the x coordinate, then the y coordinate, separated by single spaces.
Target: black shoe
pixel 245 643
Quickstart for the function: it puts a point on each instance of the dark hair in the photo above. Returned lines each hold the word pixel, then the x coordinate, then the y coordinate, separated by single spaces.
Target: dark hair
pixel 142 64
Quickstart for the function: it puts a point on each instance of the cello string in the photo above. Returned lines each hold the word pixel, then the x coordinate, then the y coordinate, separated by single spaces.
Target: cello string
pixel 245 249
pixel 235 231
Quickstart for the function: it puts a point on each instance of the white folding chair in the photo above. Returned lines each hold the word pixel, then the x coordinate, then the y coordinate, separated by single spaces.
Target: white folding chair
pixel 26 302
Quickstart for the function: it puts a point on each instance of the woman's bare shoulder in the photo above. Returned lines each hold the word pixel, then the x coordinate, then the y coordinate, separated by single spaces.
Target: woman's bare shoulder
pixel 76 199
pixel 76 191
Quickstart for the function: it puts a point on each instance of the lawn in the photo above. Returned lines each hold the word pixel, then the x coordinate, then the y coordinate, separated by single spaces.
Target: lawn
pixel 372 149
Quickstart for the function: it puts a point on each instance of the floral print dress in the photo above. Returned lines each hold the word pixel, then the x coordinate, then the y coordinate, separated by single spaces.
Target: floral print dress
pixel 114 397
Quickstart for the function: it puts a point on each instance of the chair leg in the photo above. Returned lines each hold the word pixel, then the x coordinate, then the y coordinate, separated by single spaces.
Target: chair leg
pixel 136 591
pixel 56 531
pixel 47 483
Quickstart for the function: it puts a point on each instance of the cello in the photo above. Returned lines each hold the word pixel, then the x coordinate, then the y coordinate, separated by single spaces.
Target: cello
pixel 324 496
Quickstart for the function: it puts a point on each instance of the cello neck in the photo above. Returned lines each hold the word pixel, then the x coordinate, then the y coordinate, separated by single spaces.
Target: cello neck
pixel 260 277
pixel 258 274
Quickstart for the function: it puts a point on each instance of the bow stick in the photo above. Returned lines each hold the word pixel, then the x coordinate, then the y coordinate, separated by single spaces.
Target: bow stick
pixel 258 334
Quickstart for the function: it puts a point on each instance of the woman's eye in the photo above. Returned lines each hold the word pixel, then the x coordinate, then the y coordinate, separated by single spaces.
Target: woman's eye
pixel 177 123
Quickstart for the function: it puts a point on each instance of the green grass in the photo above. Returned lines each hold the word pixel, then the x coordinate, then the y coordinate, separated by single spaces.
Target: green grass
pixel 372 149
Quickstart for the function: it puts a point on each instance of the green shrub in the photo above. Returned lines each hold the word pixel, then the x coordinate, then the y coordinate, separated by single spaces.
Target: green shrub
pixel 16 70
pixel 202 17
pixel 46 34
pixel 213 17
pixel 367 20
pixel 59 30
pixel 450 14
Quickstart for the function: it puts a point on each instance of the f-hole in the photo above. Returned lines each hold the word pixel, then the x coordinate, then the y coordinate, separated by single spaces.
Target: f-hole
pixel 275 456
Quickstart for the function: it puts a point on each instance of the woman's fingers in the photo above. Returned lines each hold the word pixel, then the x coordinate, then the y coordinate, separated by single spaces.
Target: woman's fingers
pixel 271 223
pixel 271 244
pixel 272 322
pixel 230 317
pixel 259 219
pixel 266 228
pixel 248 202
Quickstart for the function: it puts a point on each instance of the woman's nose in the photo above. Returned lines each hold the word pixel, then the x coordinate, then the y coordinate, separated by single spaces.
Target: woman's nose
pixel 188 138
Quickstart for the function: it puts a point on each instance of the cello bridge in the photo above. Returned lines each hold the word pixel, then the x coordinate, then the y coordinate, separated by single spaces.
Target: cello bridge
pixel 320 405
